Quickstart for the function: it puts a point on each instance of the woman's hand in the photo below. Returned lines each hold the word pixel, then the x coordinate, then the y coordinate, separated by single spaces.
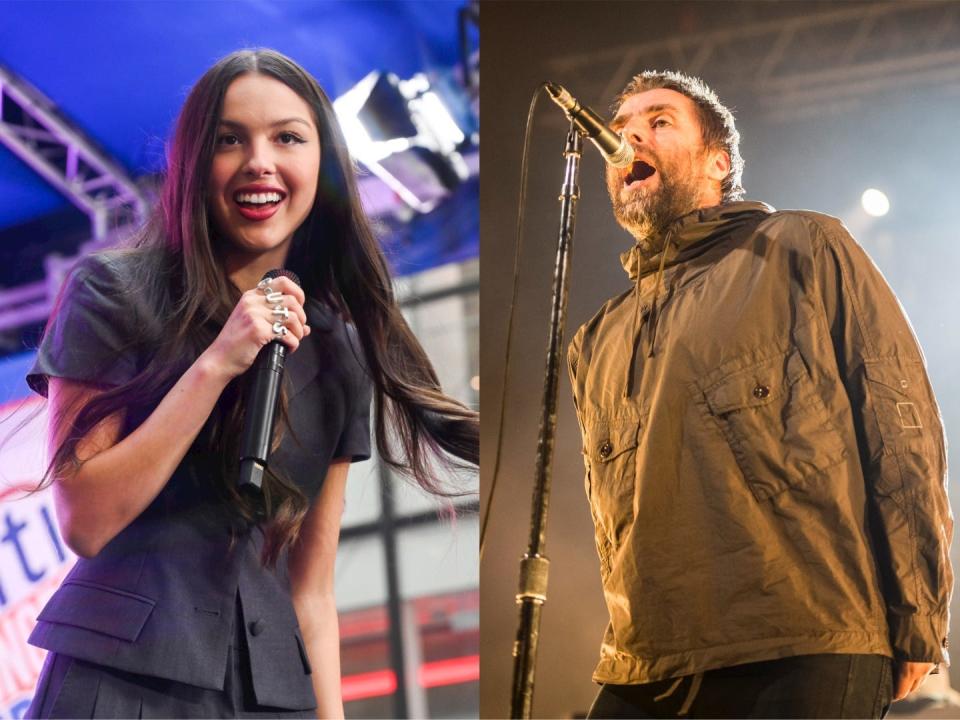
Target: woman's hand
pixel 250 326
pixel 95 502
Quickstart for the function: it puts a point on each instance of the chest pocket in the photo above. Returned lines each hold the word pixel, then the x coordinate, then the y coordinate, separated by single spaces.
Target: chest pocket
pixel 610 448
pixel 775 423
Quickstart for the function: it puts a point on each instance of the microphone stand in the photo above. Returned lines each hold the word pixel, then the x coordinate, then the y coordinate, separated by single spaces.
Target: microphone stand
pixel 534 566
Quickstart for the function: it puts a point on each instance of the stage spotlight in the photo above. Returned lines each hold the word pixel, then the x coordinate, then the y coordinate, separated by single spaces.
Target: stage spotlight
pixel 407 133
pixel 875 202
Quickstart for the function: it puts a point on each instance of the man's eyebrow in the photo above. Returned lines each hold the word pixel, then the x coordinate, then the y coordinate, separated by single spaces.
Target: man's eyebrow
pixel 621 120
pixel 235 123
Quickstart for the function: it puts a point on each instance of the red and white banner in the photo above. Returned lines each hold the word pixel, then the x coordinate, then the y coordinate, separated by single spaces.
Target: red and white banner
pixel 33 557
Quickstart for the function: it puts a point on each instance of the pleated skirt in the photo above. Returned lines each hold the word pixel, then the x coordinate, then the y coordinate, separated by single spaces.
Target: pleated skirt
pixel 72 688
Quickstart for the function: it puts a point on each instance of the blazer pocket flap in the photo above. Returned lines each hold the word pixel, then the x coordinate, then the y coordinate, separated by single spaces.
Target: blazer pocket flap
pixel 608 440
pixel 103 609
pixel 757 385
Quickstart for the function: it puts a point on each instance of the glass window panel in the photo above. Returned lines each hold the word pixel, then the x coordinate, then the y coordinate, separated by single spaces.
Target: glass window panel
pixel 361 577
pixel 438 558
pixel 409 499
pixel 447 670
pixel 437 561
pixel 362 499
pixel 442 658
pixel 368 681
pixel 454 701
pixel 377 706
pixel 447 327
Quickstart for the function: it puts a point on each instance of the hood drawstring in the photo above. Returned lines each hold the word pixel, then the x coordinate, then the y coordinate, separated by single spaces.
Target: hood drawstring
pixel 633 338
pixel 695 681
pixel 656 292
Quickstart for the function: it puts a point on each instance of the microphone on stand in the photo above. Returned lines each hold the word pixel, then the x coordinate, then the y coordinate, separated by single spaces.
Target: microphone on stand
pixel 614 147
pixel 263 392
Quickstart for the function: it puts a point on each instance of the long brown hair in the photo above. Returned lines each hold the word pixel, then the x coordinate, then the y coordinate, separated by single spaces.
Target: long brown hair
pixel 175 262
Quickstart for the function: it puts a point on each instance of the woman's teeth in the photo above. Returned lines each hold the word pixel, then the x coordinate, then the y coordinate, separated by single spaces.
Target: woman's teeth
pixel 258 198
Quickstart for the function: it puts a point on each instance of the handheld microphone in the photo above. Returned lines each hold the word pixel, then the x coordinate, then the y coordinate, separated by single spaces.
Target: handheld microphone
pixel 615 149
pixel 263 392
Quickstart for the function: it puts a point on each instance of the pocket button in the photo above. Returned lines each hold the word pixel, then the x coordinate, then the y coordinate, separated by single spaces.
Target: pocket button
pixel 605 449
pixel 761 391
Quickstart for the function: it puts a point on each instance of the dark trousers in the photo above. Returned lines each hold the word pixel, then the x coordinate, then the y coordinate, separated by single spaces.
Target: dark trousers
pixel 805 686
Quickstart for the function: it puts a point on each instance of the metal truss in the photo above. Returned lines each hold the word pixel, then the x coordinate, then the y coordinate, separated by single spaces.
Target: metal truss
pixel 30 303
pixel 798 65
pixel 63 156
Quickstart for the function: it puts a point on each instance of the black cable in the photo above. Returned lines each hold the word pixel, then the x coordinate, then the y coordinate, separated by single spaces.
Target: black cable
pixel 513 303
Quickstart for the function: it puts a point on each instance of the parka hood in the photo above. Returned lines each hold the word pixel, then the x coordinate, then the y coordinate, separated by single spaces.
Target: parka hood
pixel 688 230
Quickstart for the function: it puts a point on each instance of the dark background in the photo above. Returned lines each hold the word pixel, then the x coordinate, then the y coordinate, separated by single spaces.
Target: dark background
pixel 830 99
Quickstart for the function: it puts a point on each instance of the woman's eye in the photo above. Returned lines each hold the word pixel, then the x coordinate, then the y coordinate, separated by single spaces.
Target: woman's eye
pixel 658 121
pixel 285 138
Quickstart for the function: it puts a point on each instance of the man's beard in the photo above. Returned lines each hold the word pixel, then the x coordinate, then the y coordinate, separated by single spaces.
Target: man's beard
pixel 647 214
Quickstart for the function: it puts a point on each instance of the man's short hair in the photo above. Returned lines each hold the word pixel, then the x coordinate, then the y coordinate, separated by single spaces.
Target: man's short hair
pixel 717 126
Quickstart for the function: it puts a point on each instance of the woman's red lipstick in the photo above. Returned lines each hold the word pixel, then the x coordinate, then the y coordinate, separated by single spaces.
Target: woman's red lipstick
pixel 259 213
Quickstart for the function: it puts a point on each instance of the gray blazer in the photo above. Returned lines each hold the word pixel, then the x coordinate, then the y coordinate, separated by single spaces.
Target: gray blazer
pixel 160 598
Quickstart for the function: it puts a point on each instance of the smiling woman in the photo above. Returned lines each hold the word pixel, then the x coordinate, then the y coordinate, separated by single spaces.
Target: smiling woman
pixel 263 134
pixel 191 598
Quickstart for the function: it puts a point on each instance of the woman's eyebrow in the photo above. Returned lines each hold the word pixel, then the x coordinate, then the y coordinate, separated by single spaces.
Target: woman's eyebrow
pixel 235 123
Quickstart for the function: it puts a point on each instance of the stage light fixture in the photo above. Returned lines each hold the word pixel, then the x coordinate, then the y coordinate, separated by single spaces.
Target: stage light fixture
pixel 406 132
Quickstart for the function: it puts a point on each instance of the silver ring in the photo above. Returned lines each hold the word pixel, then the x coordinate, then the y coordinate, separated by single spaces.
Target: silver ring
pixel 281 311
pixel 279 329
pixel 264 285
pixel 274 296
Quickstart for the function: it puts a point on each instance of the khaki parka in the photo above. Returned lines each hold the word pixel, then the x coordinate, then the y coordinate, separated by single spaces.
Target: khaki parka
pixel 765 459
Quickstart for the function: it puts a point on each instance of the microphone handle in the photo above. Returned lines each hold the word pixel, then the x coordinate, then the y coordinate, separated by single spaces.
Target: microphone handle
pixel 263 392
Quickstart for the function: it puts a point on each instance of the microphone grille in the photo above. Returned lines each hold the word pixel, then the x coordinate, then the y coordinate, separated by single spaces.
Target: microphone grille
pixel 622 156
pixel 281 272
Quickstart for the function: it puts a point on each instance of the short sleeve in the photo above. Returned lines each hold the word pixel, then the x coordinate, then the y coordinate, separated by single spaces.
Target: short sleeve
pixel 90 334
pixel 354 440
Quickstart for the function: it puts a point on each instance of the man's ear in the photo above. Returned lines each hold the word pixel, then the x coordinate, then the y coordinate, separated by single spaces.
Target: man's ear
pixel 718 165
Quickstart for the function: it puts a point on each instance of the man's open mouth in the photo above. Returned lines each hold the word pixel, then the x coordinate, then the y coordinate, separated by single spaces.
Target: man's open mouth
pixel 639 171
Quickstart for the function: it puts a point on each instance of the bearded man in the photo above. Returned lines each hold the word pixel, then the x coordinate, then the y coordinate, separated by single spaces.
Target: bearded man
pixel 765 457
